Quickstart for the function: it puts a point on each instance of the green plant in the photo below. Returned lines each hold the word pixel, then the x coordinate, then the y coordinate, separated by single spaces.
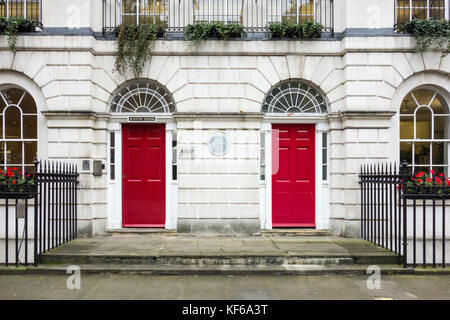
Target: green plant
pixel 135 44
pixel 204 30
pixel 197 32
pixel 287 30
pixel 430 34
pixel 227 31
pixel 12 26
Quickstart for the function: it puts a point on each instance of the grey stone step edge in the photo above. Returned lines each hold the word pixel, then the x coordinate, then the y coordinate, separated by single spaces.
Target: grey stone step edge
pixel 209 270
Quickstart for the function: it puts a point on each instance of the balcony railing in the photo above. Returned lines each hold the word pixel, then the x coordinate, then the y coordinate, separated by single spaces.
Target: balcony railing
pixel 254 15
pixel 30 9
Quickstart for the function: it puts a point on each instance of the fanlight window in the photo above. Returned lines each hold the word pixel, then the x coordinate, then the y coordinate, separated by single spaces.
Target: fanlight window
pixel 18 129
pixel 294 97
pixel 424 131
pixel 142 97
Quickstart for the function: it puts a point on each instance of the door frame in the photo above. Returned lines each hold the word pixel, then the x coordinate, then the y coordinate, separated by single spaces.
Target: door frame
pixel 114 202
pixel 322 192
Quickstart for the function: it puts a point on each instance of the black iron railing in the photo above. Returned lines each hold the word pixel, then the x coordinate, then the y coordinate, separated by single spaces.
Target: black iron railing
pixel 30 9
pixel 390 200
pixel 255 16
pixel 42 215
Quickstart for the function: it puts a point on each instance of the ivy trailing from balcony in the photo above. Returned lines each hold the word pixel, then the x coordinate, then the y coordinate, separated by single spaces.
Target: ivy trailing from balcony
pixel 135 44
pixel 301 31
pixel 430 34
pixel 197 32
pixel 13 26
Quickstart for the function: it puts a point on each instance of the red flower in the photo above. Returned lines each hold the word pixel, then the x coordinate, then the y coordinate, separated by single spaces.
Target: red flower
pixel 429 180
pixel 14 182
pixel 432 172
pixel 419 180
pixel 441 175
pixel 420 174
pixel 15 168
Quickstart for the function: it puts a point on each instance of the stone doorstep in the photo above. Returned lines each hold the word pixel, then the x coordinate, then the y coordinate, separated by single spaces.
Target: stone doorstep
pixel 295 233
pixel 351 270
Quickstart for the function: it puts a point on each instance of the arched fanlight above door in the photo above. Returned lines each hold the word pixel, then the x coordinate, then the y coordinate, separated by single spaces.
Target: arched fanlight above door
pixel 294 97
pixel 142 96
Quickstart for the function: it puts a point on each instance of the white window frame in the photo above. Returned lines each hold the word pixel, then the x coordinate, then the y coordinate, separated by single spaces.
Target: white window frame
pixel 415 140
pixel 275 10
pixel 163 16
pixel 397 8
pixel 22 140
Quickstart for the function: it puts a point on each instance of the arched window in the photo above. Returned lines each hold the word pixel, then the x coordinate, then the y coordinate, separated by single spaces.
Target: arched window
pixel 424 131
pixel 294 97
pixel 142 96
pixel 18 134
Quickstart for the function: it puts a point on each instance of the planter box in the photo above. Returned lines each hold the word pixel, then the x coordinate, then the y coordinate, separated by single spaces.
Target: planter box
pixel 17 195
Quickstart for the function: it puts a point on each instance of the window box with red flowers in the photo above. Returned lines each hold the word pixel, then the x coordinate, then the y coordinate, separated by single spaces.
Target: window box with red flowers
pixel 16 184
pixel 428 184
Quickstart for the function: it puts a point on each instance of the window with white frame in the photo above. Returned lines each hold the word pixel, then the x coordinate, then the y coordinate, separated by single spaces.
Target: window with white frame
pixel 421 9
pixel 145 12
pixel 424 131
pixel 324 156
pixel 20 8
pixel 262 156
pixel 18 134
pixel 174 157
pixel 227 11
pixel 112 156
pixel 293 11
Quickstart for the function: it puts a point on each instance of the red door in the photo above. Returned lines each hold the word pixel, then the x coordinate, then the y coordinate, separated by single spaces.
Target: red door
pixel 293 178
pixel 143 175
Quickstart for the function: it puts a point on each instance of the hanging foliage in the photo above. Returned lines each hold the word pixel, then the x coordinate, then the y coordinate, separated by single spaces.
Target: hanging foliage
pixel 135 44
pixel 13 26
pixel 430 34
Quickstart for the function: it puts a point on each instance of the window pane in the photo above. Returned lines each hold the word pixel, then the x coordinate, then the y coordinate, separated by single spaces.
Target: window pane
pixel 324 173
pixel 112 173
pixel 406 151
pixel 29 127
pixel 12 123
pixel 408 105
pixel 14 152
pixel 112 137
pixel 30 152
pixel 423 96
pixel 421 153
pixel 13 95
pixel 112 156
pixel 438 153
pixel 28 105
pixel 406 128
pixel 440 127
pixel 423 123
pixel 2 103
pixel 2 153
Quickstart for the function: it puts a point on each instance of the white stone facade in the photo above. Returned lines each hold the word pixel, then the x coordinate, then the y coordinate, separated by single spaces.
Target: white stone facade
pixel 220 86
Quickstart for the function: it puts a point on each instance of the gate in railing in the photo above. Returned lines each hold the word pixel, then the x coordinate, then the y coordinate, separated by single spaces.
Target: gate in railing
pixel 391 199
pixel 38 209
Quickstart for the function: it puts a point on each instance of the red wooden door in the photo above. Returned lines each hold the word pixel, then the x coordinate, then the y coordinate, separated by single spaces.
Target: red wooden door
pixel 293 178
pixel 143 175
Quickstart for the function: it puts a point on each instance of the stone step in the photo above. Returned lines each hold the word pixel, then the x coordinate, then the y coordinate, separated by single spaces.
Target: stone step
pixel 139 269
pixel 142 231
pixel 266 258
pixel 288 232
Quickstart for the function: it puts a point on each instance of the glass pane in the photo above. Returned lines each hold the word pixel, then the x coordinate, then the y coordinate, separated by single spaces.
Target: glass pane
pixel 423 123
pixel 408 105
pixel 406 151
pixel 13 95
pixel 324 173
pixel 438 105
pixel 12 123
pixel 440 127
pixel 438 153
pixel 324 156
pixel 112 156
pixel 406 127
pixel 2 152
pixel 112 174
pixel 112 138
pixel 30 151
pixel 2 103
pixel 28 105
pixel 29 127
pixel 421 153
pixel 129 6
pixel 423 96
pixel 1 127
pixel 14 152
